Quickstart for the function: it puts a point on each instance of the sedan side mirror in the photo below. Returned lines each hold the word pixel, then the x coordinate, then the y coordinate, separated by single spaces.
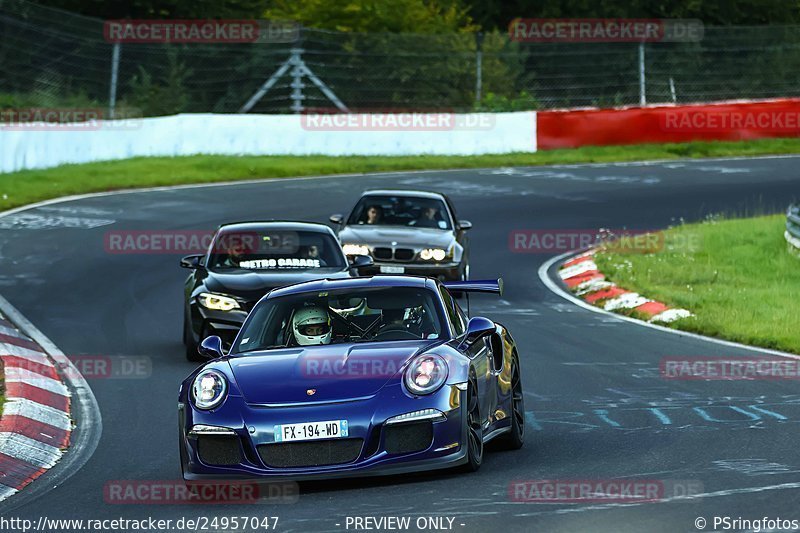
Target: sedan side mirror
pixel 477 328
pixel 464 225
pixel 336 219
pixel 361 261
pixel 211 347
pixel 192 261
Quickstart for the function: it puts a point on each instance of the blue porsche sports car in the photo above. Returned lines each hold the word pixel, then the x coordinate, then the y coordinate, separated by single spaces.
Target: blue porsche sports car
pixel 353 377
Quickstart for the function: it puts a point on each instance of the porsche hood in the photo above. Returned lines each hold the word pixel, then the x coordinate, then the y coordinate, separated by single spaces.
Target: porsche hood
pixel 317 374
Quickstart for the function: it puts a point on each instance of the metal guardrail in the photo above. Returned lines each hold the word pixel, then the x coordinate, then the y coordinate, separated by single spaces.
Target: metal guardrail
pixel 792 233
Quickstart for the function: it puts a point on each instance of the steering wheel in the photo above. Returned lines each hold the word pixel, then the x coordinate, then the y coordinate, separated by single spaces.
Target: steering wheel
pixel 393 331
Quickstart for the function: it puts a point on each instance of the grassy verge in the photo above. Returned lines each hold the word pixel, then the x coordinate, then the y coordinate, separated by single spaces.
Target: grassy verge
pixel 28 186
pixel 736 276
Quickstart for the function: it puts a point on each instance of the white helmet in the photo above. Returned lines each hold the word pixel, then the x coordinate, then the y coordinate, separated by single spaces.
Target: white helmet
pixel 311 325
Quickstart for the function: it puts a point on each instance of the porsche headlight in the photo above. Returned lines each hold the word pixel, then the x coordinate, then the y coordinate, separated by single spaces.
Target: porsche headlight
pixel 209 389
pixel 218 302
pixel 425 374
pixel 355 249
pixel 437 254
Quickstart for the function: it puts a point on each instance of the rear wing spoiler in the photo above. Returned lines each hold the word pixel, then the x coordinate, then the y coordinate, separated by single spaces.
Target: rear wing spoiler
pixel 488 285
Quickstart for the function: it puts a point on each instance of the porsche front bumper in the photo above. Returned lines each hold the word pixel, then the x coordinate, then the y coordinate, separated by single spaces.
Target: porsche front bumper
pixel 249 451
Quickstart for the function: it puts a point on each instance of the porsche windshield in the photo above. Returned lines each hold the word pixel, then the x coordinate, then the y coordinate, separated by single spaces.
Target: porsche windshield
pixel 274 250
pixel 411 211
pixel 343 316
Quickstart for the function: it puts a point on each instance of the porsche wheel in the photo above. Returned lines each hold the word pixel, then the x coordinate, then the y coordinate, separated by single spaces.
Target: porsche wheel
pixel 514 439
pixel 474 428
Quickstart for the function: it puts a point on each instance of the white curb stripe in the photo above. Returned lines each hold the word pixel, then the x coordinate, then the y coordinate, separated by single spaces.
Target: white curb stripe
pixel 11 332
pixel 578 269
pixel 13 349
pixel 6 491
pixel 593 285
pixel 29 450
pixel 629 300
pixel 37 411
pixel 38 359
pixel 15 374
pixel 670 315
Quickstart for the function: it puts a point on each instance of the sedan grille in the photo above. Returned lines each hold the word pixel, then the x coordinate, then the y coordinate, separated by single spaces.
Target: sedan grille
pixel 314 453
pixel 399 254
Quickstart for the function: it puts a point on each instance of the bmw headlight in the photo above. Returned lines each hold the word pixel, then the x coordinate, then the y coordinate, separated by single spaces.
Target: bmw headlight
pixel 218 302
pixel 209 389
pixel 355 249
pixel 425 374
pixel 437 254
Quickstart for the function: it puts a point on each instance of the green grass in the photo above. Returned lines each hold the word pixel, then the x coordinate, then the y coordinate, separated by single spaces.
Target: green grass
pixel 28 186
pixel 737 276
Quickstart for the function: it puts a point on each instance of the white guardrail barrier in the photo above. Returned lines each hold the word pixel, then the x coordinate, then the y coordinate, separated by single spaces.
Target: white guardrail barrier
pixel 33 145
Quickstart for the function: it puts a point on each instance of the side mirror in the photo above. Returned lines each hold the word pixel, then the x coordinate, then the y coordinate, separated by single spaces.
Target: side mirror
pixel 477 328
pixel 211 347
pixel 336 219
pixel 464 225
pixel 192 261
pixel 361 261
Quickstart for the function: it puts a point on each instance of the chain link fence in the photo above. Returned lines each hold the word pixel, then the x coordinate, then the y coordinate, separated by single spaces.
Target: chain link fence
pixel 50 58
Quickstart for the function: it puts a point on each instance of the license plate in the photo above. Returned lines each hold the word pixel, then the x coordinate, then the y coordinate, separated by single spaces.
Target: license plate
pixel 392 270
pixel 310 430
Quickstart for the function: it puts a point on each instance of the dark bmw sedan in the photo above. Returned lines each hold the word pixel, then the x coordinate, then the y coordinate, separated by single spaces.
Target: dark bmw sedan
pixel 407 232
pixel 247 260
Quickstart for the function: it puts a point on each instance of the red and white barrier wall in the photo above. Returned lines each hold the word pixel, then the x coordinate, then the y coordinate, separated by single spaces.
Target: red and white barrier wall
pixel 724 121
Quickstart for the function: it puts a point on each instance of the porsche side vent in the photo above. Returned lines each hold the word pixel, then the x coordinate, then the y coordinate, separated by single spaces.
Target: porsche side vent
pixel 409 437
pixel 219 450
pixel 314 453
pixel 374 442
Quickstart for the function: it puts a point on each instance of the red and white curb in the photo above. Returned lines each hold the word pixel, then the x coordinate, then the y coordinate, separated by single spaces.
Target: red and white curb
pixel 35 426
pixel 581 275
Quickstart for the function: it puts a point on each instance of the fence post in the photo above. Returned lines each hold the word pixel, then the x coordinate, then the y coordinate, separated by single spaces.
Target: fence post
pixel 478 66
pixel 642 87
pixel 297 80
pixel 112 96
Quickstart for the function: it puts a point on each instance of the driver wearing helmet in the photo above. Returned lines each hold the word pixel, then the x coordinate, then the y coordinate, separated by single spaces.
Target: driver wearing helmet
pixel 311 326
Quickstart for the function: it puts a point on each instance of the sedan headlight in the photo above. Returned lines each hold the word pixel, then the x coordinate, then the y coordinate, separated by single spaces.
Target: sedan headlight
pixel 437 254
pixel 218 302
pixel 425 374
pixel 209 389
pixel 355 249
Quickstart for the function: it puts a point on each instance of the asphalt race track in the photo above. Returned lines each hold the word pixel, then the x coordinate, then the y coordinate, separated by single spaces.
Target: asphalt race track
pixel 591 380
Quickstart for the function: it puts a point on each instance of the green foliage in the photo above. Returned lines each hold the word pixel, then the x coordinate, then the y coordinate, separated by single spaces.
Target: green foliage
pixel 375 16
pixel 494 103
pixel 165 96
